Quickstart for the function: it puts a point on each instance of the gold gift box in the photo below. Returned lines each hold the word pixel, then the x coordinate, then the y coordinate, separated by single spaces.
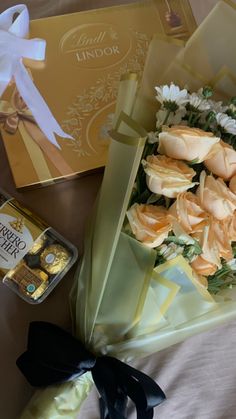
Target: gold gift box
pixel 86 54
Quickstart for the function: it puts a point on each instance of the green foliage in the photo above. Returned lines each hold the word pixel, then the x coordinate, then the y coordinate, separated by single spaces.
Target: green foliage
pixel 222 279
pixel 207 92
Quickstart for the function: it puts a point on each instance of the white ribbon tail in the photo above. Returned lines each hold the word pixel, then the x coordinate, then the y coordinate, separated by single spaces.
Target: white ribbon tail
pixel 37 105
pixel 6 72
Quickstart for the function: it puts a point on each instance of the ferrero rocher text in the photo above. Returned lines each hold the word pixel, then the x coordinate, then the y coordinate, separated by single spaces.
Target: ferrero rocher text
pixel 10 241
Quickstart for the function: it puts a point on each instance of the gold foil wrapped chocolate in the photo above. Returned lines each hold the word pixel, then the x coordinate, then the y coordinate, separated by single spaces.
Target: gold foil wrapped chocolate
pixel 31 282
pixel 40 291
pixel 41 274
pixel 54 258
pixel 38 245
pixel 42 288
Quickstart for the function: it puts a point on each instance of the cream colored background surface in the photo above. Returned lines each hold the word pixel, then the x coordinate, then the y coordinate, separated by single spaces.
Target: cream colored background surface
pixel 198 376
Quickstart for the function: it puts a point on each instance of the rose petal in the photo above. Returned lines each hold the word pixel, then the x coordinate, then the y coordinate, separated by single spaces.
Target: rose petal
pixel 185 143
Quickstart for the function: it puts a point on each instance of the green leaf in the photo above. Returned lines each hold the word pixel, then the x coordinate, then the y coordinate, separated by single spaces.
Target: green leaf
pixel 222 279
pixel 154 197
pixel 234 249
pixel 191 251
pixel 192 162
pixel 233 100
pixel 174 239
pixel 207 92
pixel 195 246
pixel 159 260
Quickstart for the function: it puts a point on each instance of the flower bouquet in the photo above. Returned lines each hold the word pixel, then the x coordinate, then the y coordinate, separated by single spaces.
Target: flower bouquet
pixel 159 261
pixel 184 198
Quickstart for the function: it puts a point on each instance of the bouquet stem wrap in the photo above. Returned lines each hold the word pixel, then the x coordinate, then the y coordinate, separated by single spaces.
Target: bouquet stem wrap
pixel 64 357
pixel 103 231
pixel 105 236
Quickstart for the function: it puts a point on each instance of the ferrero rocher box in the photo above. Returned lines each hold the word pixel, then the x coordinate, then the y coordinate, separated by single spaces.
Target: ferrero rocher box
pixel 87 52
pixel 33 256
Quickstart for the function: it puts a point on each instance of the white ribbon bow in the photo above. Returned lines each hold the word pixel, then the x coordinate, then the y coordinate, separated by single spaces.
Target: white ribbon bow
pixel 13 48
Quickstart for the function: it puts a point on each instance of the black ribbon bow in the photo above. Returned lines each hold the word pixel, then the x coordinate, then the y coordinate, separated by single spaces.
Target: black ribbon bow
pixel 54 356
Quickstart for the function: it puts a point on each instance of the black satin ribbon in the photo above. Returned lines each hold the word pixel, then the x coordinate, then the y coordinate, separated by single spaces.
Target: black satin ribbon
pixel 54 356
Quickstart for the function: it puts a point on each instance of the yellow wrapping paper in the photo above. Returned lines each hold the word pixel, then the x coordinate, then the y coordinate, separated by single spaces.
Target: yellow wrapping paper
pixel 207 58
pixel 121 306
pixel 60 401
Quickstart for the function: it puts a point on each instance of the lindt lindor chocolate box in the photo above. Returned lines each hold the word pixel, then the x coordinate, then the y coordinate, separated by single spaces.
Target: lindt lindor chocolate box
pixel 86 55
pixel 33 256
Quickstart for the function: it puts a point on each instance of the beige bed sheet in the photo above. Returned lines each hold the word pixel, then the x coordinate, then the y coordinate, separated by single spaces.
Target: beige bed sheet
pixel 198 376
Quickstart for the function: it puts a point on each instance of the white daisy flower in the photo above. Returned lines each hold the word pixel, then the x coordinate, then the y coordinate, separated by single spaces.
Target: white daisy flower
pixel 174 118
pixel 152 137
pixel 232 107
pixel 204 118
pixel 171 97
pixel 228 124
pixel 206 92
pixel 232 264
pixel 198 103
pixel 217 107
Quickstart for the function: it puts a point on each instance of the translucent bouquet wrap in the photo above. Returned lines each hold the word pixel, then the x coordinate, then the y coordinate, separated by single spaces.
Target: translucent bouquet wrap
pixel 159 261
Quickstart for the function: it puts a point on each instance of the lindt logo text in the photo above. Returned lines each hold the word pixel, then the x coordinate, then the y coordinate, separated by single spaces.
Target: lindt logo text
pixel 84 40
pixel 95 45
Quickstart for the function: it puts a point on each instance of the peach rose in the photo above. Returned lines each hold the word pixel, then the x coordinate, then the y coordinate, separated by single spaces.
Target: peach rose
pixel 209 261
pixel 167 176
pixel 187 210
pixel 232 184
pixel 185 143
pixel 149 223
pixel 231 227
pixel 215 197
pixel 202 267
pixel 221 238
pixel 215 243
pixel 223 162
